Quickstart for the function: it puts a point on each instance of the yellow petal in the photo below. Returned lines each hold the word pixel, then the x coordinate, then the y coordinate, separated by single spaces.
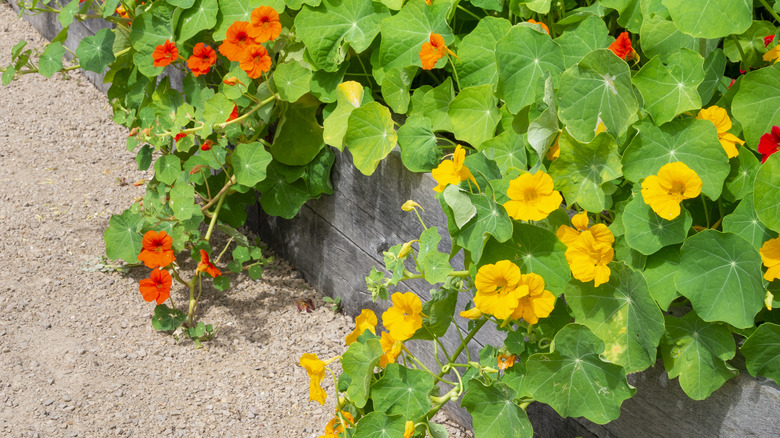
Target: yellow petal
pixel 473 313
pixel 729 143
pixel 567 235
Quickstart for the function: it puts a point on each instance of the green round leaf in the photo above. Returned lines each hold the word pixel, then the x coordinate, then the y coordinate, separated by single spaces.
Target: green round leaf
pixel 335 125
pixel 419 151
pixel 292 80
pixel 280 196
pixel 714 67
pixel 744 222
pixel 51 59
pixel 720 273
pixel 739 183
pixel 491 220
pixel 379 425
pixel 589 35
pixel 202 15
pixel 711 18
pixel 507 150
pixel 358 363
pixel 661 38
pixel 152 28
pixel 370 136
pixel 597 88
pixel 696 352
pixel 477 52
pixel 474 114
pixel 403 392
pixel 232 11
pixel 762 351
pixel 756 103
pixel 494 411
pixel 523 56
pixel 96 52
pixel 167 319
pixel 766 193
pixel 647 232
pixel 167 168
pixel 671 88
pixel 583 168
pixel 659 272
pixel 298 136
pixel 330 29
pixel 436 103
pixel 533 249
pixel 622 313
pixel 123 238
pixel 750 44
pixel 395 88
pixel 404 33
pixel 250 161
pixel 183 201
pixel 630 13
pixel 692 141
pixel 575 381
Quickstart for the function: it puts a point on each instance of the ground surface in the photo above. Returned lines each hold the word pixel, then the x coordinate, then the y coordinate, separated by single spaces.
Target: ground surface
pixel 78 355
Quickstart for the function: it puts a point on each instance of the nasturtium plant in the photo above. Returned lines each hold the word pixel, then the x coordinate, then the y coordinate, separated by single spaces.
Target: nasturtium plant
pixel 608 171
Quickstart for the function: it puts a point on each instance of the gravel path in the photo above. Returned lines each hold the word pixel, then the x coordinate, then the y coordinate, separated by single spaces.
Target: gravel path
pixel 78 355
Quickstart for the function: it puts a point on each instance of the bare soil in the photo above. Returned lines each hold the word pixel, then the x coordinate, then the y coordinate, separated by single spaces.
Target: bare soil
pixel 78 355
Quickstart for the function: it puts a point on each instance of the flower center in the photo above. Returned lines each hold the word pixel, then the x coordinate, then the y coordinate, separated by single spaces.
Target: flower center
pixel 677 190
pixel 530 194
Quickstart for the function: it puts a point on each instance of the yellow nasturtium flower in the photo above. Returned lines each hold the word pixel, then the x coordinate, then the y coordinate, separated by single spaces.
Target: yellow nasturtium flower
pixel 773 54
pixel 770 256
pixel 532 197
pixel 335 427
pixel 365 321
pixel 537 303
pixel 506 361
pixel 409 429
pixel 498 293
pixel 555 150
pixel 674 183
pixel 410 206
pixel 452 171
pixel 404 317
pixel 473 313
pixel 589 249
pixel 315 368
pixel 720 118
pixel 390 349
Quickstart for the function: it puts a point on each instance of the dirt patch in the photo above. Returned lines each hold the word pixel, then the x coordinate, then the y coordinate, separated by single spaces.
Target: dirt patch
pixel 78 355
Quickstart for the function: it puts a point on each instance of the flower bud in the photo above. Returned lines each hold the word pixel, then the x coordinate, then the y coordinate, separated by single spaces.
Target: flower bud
pixel 206 146
pixel 146 131
pixel 133 132
pixel 410 206
pixel 232 81
pixel 406 249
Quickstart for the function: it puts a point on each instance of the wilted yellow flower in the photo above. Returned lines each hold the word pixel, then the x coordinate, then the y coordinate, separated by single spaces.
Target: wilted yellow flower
pixel 406 248
pixel 365 321
pixel 674 183
pixel 410 206
pixel 537 303
pixel 473 313
pixel 452 171
pixel 770 256
pixel 390 349
pixel 506 361
pixel 532 197
pixel 498 293
pixel 404 317
pixel 408 429
pixel 335 426
pixel 315 368
pixel 555 150
pixel 588 258
pixel 720 118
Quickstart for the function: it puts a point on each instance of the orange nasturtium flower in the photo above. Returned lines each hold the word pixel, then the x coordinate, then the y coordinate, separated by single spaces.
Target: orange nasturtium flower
pixel 664 192
pixel 206 145
pixel 391 348
pixel 203 57
pixel 770 256
pixel 536 303
pixel 498 293
pixel 233 114
pixel 532 197
pixel 544 26
pixel 452 171
pixel 315 368
pixel 165 53
pixel 237 39
pixel 156 252
pixel 255 61
pixel 265 24
pixel 409 429
pixel 206 266
pixel 335 425
pixel 506 361
pixel 433 50
pixel 720 118
pixel 622 47
pixel 157 287
pixel 365 321
pixel 404 317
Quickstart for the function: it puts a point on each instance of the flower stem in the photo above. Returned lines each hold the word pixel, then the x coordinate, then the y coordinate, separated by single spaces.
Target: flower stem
pixel 770 10
pixel 706 211
pixel 216 214
pixel 191 309
pixel 463 345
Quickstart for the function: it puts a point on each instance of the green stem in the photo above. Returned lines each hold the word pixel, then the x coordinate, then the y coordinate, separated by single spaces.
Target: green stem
pixel 469 12
pixel 220 194
pixel 370 85
pixel 454 71
pixel 35 70
pixel 420 219
pixel 741 53
pixel 121 52
pixel 706 210
pixel 463 344
pixel 190 311
pixel 216 214
pixel 223 250
pixel 770 10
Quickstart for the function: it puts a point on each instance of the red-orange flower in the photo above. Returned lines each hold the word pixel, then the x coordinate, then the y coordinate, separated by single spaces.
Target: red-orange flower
pixel 165 53
pixel 206 146
pixel 206 266
pixel 237 39
pixel 544 26
pixel 255 61
pixel 433 51
pixel 157 287
pixel 181 135
pixel 622 47
pixel 203 57
pixel 156 252
pixel 234 114
pixel 265 24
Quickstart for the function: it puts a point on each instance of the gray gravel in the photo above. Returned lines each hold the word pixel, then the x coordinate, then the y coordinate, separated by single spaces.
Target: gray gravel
pixel 78 355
